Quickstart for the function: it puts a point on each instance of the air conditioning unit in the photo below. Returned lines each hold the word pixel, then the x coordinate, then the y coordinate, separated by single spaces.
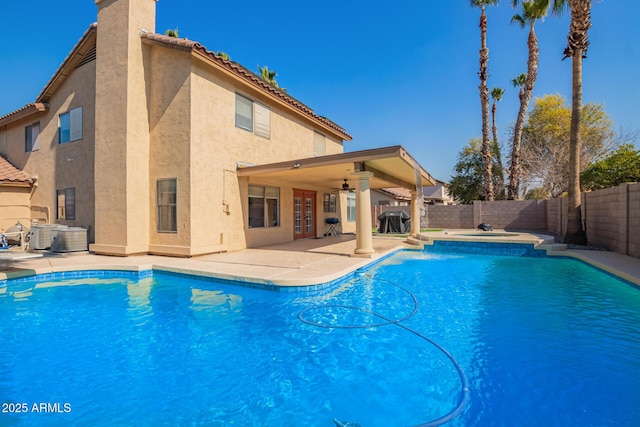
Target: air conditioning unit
pixel 70 239
pixel 40 236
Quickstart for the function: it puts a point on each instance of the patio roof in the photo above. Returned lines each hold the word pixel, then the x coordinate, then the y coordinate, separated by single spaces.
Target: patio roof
pixel 391 166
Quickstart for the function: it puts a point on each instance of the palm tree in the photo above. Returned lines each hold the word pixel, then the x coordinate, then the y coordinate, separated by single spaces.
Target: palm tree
pixel 487 161
pixel 514 169
pixel 577 45
pixel 269 76
pixel 531 12
pixel 223 55
pixel 496 95
pixel 171 33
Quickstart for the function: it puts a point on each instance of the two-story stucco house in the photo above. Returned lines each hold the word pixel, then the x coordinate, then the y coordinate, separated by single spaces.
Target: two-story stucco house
pixel 159 146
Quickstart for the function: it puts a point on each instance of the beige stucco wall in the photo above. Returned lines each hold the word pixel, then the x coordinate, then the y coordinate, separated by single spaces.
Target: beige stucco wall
pixel 14 206
pixel 219 204
pixel 152 112
pixel 59 166
pixel 170 144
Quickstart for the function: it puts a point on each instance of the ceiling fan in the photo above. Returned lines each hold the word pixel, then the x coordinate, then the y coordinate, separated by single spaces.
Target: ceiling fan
pixel 345 187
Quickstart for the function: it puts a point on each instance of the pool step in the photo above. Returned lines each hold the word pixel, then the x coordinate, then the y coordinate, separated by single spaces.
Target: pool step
pixel 553 247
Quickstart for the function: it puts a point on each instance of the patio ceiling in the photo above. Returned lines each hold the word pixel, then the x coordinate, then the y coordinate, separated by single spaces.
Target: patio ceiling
pixel 391 167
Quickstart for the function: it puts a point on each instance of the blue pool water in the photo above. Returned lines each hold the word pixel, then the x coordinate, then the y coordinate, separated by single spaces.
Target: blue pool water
pixel 542 342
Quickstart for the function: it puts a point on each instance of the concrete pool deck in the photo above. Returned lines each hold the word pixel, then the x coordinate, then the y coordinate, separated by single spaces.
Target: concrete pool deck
pixel 304 262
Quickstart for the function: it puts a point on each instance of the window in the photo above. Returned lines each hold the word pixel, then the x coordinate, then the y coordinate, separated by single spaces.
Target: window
pixel 66 201
pixel 264 205
pixel 244 113
pixel 329 202
pixel 70 126
pixel 253 116
pixel 351 207
pixel 32 138
pixel 319 144
pixel 167 221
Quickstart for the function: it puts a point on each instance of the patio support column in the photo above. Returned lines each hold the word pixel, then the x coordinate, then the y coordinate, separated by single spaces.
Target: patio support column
pixel 364 236
pixel 415 214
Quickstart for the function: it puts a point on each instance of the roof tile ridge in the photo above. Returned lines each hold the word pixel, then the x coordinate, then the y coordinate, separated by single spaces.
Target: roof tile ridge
pixel 92 28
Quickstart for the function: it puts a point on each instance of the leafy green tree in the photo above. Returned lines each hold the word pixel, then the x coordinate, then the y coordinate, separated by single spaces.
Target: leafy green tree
pixel 487 160
pixel 531 12
pixel 545 141
pixel 467 184
pixel 622 165
pixel 536 194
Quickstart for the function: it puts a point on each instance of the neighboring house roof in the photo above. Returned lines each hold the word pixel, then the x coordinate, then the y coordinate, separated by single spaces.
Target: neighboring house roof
pixel 437 192
pixel 11 174
pixel 397 193
pixel 84 51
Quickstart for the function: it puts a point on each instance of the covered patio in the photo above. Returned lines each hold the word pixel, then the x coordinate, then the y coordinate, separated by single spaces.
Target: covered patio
pixel 365 170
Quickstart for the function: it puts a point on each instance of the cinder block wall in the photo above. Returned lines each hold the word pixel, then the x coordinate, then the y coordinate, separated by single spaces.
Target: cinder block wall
pixel 634 220
pixel 606 218
pixel 449 216
pixel 612 216
pixel 512 214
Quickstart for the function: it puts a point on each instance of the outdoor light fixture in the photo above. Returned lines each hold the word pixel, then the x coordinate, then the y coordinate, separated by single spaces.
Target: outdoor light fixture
pixel 296 166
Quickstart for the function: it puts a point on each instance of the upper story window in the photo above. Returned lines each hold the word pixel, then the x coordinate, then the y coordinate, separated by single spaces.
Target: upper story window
pixel 319 144
pixel 32 138
pixel 253 116
pixel 70 126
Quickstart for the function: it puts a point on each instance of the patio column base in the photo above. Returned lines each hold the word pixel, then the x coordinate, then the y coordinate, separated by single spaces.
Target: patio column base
pixel 357 254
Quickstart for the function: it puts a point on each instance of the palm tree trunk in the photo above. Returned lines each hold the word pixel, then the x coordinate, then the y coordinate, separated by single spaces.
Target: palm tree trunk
pixel 495 147
pixel 484 102
pixel 576 49
pixel 575 232
pixel 532 74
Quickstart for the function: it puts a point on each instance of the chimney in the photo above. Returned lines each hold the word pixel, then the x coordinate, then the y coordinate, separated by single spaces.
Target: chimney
pixel 122 126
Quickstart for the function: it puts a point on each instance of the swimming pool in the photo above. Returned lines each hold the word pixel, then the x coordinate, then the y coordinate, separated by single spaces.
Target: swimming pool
pixel 542 342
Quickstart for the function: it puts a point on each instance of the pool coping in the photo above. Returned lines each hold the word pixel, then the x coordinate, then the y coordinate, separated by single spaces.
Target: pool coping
pixel 287 268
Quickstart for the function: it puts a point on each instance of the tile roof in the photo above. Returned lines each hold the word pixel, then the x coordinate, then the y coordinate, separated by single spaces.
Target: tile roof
pixel 246 75
pixel 87 41
pixel 10 173
pixel 20 113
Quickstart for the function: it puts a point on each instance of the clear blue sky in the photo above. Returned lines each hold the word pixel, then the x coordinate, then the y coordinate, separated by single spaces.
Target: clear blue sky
pixel 389 73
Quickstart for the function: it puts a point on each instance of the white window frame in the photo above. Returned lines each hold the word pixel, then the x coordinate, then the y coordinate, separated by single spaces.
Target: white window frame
pixel 66 203
pixel 351 207
pixel 263 193
pixel 329 202
pixel 32 137
pixel 257 120
pixel 75 126
pixel 164 205
pixel 319 144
